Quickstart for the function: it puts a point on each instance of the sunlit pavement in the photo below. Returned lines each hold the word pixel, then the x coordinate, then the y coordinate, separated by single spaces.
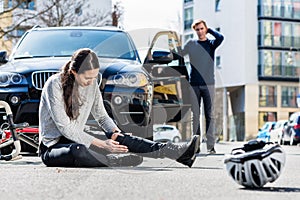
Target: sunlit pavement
pixel 28 178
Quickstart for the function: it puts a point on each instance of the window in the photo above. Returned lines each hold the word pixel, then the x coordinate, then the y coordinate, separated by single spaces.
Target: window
pixel 267 33
pixel 217 8
pixel 287 35
pixel 277 34
pixel 1 6
pixel 277 70
pixel 289 96
pixel 277 8
pixel 218 61
pixel 296 34
pixel 267 63
pixel 188 18
pixel 26 4
pixel 279 63
pixel 267 7
pixel 296 6
pixel 297 61
pixel 20 32
pixel 267 96
pixel 187 37
pixel 266 117
pixel 288 9
pixel 288 64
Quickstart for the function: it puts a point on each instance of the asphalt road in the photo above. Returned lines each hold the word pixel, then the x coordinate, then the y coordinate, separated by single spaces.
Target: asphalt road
pixel 157 179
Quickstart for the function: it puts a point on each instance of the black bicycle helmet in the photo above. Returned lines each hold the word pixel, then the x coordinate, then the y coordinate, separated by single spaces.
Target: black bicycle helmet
pixel 255 164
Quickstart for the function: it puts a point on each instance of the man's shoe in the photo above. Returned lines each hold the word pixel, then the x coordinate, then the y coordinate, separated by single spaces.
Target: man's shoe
pixel 123 160
pixel 198 150
pixel 188 157
pixel 211 151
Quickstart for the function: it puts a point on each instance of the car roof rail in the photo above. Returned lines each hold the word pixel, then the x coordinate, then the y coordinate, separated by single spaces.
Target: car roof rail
pixel 36 26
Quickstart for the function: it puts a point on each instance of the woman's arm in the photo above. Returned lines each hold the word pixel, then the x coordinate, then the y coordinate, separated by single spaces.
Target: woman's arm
pixel 110 145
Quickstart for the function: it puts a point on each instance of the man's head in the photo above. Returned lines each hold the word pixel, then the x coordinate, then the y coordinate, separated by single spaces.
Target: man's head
pixel 201 28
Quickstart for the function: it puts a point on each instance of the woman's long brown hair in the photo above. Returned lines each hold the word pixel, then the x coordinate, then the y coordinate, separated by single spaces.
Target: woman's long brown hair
pixel 82 60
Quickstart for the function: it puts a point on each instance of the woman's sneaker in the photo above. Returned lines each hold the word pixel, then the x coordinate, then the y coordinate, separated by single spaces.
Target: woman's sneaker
pixel 123 160
pixel 189 156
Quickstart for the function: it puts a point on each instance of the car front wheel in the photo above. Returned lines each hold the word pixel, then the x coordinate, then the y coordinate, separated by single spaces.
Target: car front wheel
pixel 292 139
pixel 176 139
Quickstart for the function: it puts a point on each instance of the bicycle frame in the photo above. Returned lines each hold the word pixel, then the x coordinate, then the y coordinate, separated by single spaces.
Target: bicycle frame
pixel 12 127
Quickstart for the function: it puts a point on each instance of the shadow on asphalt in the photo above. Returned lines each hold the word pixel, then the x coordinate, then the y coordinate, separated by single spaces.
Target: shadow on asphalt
pixel 206 155
pixel 274 189
pixel 21 162
pixel 207 168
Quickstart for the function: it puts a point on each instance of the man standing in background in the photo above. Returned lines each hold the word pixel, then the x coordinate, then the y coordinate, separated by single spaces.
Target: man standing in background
pixel 201 52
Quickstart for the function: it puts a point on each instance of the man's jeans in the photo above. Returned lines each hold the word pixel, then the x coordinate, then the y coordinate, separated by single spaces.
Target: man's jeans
pixel 207 94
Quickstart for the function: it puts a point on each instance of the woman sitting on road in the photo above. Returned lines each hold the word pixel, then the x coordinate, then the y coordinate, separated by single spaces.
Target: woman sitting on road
pixel 68 98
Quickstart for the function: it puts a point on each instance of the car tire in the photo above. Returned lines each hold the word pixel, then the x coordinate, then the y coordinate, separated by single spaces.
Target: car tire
pixel 176 139
pixel 292 139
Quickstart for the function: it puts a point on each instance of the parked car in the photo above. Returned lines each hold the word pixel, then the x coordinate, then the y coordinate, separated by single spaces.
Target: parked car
pixel 264 131
pixel 276 133
pixel 166 133
pixel 131 91
pixel 291 133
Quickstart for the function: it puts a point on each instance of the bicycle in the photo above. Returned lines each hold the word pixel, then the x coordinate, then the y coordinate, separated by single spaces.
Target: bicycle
pixel 11 133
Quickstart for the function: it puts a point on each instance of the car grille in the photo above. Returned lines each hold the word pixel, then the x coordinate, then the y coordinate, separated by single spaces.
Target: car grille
pixel 39 78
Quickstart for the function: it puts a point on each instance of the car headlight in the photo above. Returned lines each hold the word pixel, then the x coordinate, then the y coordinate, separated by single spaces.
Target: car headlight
pixel 7 78
pixel 128 79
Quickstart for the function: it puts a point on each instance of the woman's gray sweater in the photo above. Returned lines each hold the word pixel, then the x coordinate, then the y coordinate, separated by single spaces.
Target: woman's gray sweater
pixel 54 122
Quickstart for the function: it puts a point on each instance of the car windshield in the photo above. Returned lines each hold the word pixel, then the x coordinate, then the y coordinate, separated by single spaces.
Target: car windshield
pixel 61 43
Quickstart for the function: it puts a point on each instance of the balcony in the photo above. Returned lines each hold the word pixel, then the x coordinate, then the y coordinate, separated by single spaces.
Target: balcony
pixel 273 11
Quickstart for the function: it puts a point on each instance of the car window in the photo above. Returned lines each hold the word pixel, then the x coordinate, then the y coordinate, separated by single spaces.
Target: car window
pixel 169 128
pixel 111 44
pixel 159 129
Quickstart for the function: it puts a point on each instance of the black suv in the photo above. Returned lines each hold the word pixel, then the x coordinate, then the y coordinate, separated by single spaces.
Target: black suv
pixel 132 91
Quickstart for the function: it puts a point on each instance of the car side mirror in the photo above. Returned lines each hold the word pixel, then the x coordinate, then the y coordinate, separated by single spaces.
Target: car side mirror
pixel 162 57
pixel 3 55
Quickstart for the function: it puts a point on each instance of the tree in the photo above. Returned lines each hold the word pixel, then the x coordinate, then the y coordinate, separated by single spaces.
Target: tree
pixel 16 16
pixel 73 13
pixel 24 14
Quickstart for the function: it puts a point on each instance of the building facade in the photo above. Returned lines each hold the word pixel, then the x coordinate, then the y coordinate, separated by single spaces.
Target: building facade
pixel 258 64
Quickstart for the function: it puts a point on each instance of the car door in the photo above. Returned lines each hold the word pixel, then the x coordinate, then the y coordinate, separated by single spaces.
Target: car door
pixel 170 77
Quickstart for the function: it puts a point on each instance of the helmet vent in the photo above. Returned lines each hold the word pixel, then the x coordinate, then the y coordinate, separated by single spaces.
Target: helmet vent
pixel 243 175
pixel 276 163
pixel 232 171
pixel 267 170
pixel 255 174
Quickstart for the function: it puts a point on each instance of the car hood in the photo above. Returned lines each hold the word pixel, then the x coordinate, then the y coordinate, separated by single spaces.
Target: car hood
pixel 27 65
pixel 107 66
